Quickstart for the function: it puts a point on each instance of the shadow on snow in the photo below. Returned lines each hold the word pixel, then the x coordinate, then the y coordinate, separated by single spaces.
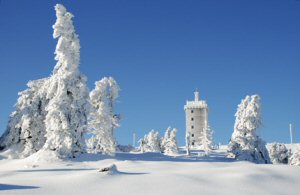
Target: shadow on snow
pixel 66 170
pixel 128 173
pixel 16 187
pixel 47 170
pixel 150 156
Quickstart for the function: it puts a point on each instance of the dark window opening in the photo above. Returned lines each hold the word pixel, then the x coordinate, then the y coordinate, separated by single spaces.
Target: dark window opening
pixel 192 119
pixel 192 127
pixel 192 135
pixel 192 111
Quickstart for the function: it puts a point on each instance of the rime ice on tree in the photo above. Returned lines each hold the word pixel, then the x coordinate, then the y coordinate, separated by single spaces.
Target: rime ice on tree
pixel 66 119
pixel 279 154
pixel 171 147
pixel 207 139
pixel 165 139
pixel 102 120
pixel 169 143
pixel 187 143
pixel 52 113
pixel 25 132
pixel 150 142
pixel 295 157
pixel 244 143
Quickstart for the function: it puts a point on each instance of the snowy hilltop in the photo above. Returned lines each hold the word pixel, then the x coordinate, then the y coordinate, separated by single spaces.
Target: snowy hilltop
pixel 60 140
pixel 60 117
pixel 148 173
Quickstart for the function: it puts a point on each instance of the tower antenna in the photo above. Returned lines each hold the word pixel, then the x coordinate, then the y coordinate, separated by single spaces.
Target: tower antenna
pixel 134 139
pixel 196 95
pixel 291 133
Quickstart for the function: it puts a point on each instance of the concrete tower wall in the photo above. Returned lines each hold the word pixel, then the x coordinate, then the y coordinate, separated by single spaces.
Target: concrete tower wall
pixel 195 123
pixel 196 113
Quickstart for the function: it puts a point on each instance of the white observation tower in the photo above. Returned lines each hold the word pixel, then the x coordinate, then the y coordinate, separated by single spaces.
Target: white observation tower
pixel 196 113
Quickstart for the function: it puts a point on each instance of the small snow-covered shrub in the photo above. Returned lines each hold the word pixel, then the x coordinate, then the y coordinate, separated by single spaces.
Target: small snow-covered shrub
pixel 171 147
pixel 150 142
pixel 169 143
pixel 187 142
pixel 127 148
pixel 207 140
pixel 279 154
pixel 165 139
pixel 109 170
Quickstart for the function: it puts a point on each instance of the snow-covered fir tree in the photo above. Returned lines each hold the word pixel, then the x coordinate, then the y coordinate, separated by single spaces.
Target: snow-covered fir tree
pixel 295 157
pixel 90 144
pixel 165 138
pixel 150 142
pixel 244 143
pixel 171 147
pixel 154 141
pixel 67 111
pixel 279 154
pixel 207 139
pixel 25 132
pixel 103 120
pixel 187 143
pixel 143 147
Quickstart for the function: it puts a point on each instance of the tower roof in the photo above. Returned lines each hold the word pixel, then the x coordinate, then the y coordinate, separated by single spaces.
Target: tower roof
pixel 197 103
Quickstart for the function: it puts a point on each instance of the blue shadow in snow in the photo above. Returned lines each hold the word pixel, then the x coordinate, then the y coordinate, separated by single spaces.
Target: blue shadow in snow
pixel 128 173
pixel 66 170
pixel 213 157
pixel 47 170
pixel 16 187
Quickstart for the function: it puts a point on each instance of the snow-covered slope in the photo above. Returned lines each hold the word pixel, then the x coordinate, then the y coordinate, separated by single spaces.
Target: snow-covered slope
pixel 149 173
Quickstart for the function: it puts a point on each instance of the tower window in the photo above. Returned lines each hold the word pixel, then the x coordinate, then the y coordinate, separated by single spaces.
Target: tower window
pixel 192 111
pixel 192 135
pixel 193 143
pixel 192 126
pixel 192 119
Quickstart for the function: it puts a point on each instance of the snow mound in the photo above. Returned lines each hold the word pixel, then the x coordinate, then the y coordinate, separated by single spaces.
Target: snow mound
pixel 10 154
pixel 44 156
pixel 148 174
pixel 109 170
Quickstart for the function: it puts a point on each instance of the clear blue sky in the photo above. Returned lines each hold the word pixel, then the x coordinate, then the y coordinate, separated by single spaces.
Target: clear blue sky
pixel 160 51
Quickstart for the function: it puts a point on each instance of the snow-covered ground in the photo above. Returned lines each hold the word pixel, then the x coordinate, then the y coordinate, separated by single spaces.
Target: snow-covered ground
pixel 149 173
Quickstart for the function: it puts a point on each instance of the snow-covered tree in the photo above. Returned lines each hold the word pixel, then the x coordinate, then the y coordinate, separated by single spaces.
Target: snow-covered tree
pixel 67 110
pixel 26 130
pixel 102 120
pixel 150 142
pixel 154 141
pixel 125 148
pixel 187 143
pixel 90 144
pixel 171 147
pixel 165 138
pixel 244 143
pixel 279 154
pixel 295 157
pixel 143 144
pixel 207 139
